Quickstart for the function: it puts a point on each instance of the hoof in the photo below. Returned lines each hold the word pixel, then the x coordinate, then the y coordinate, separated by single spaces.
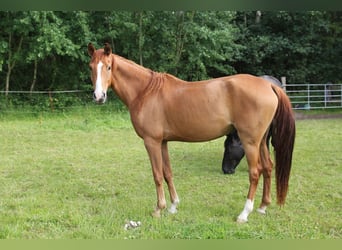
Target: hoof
pixel 261 211
pixel 241 220
pixel 172 210
pixel 156 214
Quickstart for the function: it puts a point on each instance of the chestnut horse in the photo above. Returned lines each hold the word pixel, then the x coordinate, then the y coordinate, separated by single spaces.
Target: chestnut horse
pixel 164 108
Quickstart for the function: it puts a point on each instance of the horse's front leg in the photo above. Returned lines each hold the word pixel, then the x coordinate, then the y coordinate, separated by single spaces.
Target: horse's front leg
pixel 154 150
pixel 167 170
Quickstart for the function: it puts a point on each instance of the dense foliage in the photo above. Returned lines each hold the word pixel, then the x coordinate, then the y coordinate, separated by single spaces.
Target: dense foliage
pixel 46 50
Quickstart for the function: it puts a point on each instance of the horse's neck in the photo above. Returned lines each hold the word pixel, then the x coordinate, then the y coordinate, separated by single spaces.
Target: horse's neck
pixel 130 80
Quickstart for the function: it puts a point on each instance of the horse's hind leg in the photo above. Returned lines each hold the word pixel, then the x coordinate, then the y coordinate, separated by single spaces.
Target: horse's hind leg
pixel 267 165
pixel 167 171
pixel 253 159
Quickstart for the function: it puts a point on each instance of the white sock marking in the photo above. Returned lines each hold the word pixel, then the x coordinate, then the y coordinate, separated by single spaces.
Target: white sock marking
pixel 173 208
pixel 262 210
pixel 243 217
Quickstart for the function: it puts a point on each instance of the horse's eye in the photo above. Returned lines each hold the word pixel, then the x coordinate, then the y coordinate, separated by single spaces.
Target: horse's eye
pixel 108 68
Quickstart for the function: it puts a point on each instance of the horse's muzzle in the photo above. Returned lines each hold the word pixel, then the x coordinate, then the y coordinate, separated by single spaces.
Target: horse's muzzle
pixel 229 165
pixel 100 98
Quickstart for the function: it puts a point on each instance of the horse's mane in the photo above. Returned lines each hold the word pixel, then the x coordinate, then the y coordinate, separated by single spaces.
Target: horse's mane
pixel 132 63
pixel 155 79
pixel 159 76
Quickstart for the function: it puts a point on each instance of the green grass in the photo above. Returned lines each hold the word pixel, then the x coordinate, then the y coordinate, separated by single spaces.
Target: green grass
pixel 83 174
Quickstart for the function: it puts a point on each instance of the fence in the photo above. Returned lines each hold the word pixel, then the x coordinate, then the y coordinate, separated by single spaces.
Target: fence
pixel 36 101
pixel 315 96
pixel 302 96
pixel 27 102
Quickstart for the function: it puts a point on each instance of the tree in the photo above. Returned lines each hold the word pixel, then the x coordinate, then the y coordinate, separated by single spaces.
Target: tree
pixel 47 49
pixel 291 44
pixel 47 37
pixel 14 28
pixel 48 44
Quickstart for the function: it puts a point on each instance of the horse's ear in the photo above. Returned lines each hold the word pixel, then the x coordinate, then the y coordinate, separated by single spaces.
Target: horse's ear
pixel 107 49
pixel 91 49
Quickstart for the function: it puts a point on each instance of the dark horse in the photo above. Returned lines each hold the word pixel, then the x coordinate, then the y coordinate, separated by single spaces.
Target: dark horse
pixel 165 108
pixel 233 150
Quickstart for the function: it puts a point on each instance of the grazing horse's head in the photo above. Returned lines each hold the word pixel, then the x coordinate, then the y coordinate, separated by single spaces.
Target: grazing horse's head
pixel 233 153
pixel 101 65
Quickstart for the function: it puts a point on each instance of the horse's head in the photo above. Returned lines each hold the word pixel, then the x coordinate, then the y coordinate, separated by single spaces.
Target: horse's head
pixel 101 65
pixel 233 153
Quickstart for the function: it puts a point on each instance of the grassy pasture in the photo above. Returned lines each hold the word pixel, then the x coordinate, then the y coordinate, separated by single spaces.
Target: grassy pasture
pixel 83 174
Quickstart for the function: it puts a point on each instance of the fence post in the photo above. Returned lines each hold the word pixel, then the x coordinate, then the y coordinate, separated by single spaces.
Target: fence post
pixel 51 101
pixel 325 95
pixel 309 95
pixel 283 82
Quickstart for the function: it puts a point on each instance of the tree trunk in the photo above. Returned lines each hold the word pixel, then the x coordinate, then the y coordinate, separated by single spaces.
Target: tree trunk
pixel 180 40
pixel 8 76
pixel 181 37
pixel 9 66
pixel 34 75
pixel 11 61
pixel 141 41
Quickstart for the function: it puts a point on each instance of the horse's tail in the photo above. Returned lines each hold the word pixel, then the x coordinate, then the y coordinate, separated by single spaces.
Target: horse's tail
pixel 283 137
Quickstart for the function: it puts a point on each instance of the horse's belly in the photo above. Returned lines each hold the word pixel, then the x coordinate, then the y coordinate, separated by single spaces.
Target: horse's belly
pixel 197 130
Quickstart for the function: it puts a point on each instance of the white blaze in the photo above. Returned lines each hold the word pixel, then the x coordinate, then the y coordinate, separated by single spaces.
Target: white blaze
pixel 98 87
